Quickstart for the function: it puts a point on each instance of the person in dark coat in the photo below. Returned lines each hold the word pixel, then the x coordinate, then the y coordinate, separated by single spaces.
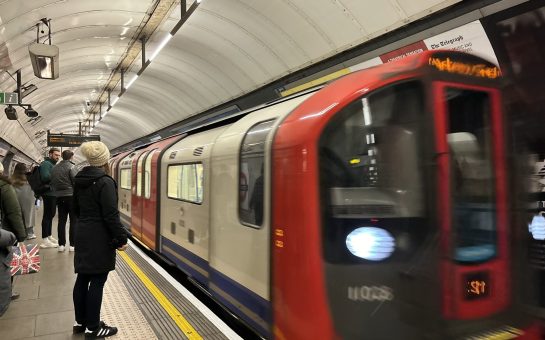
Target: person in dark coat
pixel 7 240
pixel 26 198
pixel 49 199
pixel 62 183
pixel 98 235
pixel 11 210
pixel 11 219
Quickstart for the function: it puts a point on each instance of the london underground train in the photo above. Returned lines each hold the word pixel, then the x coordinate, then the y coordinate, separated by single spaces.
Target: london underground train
pixel 376 207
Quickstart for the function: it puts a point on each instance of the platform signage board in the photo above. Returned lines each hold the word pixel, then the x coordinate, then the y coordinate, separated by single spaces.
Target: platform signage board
pixel 9 98
pixel 69 140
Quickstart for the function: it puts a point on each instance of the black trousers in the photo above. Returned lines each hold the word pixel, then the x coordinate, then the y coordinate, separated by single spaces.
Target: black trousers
pixel 87 296
pixel 66 209
pixel 50 207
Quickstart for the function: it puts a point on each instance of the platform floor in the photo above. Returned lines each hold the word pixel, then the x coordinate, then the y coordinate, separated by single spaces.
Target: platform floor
pixel 140 298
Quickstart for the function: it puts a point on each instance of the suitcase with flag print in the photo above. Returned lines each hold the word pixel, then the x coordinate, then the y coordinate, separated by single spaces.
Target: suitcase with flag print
pixel 26 259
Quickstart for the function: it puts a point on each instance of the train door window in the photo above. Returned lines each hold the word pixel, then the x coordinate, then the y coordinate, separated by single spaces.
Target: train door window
pixel 251 180
pixel 139 175
pixel 113 169
pixel 185 182
pixel 147 175
pixel 370 164
pixel 125 179
pixel 472 178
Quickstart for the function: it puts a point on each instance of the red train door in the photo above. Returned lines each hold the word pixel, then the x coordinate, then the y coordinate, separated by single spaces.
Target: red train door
pixel 137 209
pixel 149 201
pixel 472 201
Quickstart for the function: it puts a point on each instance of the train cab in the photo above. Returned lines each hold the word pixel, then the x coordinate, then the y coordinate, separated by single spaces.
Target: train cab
pixel 404 213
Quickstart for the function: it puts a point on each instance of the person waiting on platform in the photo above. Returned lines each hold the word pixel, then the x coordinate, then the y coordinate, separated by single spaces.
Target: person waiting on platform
pixel 11 220
pixel 62 179
pixel 50 205
pixel 26 198
pixel 98 236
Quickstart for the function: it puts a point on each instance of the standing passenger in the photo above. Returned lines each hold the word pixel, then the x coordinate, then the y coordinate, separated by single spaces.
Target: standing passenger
pixel 26 198
pixel 62 179
pixel 11 217
pixel 99 234
pixel 50 205
pixel 7 240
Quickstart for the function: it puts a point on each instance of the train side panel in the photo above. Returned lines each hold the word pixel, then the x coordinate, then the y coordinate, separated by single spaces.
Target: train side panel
pixel 124 175
pixel 144 217
pixel 185 203
pixel 240 239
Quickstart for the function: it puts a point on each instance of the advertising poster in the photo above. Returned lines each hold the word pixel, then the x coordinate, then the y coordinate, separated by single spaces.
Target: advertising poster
pixel 400 53
pixel 470 38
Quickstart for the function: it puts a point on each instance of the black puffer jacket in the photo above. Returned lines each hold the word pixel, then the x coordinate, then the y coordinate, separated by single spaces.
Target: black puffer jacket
pixel 11 210
pixel 99 231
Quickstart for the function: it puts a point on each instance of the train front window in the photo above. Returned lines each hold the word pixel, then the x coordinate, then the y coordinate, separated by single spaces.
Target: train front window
pixel 472 180
pixel 370 174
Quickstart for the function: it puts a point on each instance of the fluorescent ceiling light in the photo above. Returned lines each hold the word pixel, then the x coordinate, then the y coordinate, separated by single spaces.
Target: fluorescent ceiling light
pixel 131 81
pixel 115 101
pixel 160 47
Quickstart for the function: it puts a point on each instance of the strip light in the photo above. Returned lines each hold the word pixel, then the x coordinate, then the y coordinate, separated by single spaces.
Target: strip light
pixel 160 47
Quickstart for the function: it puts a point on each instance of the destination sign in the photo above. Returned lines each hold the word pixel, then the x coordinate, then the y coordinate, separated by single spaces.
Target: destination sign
pixel 481 70
pixel 69 140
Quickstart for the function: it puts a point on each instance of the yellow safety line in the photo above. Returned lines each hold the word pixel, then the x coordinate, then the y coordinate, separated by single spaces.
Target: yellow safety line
pixel 174 313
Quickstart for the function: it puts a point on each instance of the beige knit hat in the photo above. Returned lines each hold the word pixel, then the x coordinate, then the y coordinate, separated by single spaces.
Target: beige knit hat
pixel 97 153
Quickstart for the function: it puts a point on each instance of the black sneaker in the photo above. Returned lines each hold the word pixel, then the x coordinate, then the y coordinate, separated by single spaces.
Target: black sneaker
pixel 103 331
pixel 78 329
pixel 15 295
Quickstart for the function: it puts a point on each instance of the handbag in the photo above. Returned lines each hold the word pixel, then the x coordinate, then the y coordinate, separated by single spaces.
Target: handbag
pixel 25 260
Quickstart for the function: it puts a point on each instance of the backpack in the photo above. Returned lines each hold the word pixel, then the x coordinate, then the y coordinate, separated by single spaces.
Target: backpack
pixel 35 180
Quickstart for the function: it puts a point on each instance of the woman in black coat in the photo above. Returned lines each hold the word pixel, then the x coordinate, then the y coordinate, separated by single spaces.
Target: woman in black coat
pixel 99 233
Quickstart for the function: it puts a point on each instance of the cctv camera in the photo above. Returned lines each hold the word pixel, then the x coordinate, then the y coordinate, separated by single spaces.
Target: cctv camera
pixel 30 112
pixel 11 113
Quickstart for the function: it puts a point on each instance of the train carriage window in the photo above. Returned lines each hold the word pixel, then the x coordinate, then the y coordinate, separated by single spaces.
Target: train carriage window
pixel 125 179
pixel 251 181
pixel 185 182
pixel 147 175
pixel 371 176
pixel 139 171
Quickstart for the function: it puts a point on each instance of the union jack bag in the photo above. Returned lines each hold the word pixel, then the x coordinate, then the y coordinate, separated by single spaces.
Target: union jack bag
pixel 26 259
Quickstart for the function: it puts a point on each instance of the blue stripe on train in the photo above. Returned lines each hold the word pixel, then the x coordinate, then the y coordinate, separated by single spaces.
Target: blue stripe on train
pixel 242 295
pixel 245 297
pixel 189 256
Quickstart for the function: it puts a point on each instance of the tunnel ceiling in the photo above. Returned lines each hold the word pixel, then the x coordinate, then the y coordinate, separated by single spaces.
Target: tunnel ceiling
pixel 225 49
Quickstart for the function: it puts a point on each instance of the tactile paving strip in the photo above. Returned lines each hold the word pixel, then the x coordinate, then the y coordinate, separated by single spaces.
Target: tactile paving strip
pixel 162 323
pixel 119 310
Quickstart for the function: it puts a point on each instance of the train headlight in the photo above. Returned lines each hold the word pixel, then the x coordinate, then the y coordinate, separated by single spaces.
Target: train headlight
pixel 370 243
pixel 537 227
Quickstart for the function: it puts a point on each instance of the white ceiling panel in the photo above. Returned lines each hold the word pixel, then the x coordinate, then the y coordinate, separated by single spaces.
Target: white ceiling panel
pixel 226 48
